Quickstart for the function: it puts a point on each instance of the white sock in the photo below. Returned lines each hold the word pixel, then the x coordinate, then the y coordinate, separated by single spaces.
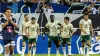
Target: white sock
pixel 49 49
pixel 81 51
pixel 23 50
pixel 83 48
pixel 6 55
pixel 88 49
pixel 57 52
pixel 34 50
pixel 64 50
pixel 69 50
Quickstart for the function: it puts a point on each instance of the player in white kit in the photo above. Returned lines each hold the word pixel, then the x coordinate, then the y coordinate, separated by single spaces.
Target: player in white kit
pixel 85 26
pixel 67 31
pixel 25 21
pixel 32 34
pixel 54 30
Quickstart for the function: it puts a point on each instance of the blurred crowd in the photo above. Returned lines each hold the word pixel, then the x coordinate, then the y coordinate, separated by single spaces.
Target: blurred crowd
pixel 43 6
pixel 63 2
pixel 52 1
pixel 91 9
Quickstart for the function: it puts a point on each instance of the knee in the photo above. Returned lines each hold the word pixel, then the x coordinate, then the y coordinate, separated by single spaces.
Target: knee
pixel 23 43
pixel 68 43
pixel 83 43
pixel 29 45
pixel 7 49
pixel 88 42
pixel 34 44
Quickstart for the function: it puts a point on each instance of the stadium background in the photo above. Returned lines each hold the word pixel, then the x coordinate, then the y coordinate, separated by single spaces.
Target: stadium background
pixel 75 14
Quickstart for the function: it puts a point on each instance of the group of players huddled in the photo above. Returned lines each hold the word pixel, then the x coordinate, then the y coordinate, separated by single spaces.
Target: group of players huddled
pixel 59 33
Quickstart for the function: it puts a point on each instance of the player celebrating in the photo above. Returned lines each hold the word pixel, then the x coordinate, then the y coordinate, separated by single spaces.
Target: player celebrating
pixel 85 26
pixel 32 34
pixel 67 31
pixel 53 34
pixel 8 28
pixel 25 21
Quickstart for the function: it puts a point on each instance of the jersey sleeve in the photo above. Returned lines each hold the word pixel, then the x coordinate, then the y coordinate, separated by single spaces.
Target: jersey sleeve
pixel 14 20
pixel 62 24
pixel 90 22
pixel 2 21
pixel 37 25
pixel 58 23
pixel 72 28
pixel 47 25
pixel 81 22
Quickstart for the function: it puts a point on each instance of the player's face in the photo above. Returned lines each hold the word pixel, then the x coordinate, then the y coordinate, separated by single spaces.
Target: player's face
pixel 66 21
pixel 52 19
pixel 8 13
pixel 86 17
pixel 33 21
pixel 26 17
pixel 92 4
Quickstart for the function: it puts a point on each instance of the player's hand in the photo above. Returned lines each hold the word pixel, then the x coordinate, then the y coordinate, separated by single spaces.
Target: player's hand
pixel 85 32
pixel 7 22
pixel 9 19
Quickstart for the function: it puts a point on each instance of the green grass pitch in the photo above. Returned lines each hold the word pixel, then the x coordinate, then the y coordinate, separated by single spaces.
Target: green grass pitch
pixel 54 55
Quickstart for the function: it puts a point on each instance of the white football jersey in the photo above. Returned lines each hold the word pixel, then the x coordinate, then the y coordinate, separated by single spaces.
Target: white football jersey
pixel 67 29
pixel 53 28
pixel 23 25
pixel 85 26
pixel 32 29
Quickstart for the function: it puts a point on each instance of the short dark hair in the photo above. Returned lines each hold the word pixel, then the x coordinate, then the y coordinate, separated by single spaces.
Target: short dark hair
pixel 33 18
pixel 86 14
pixel 25 15
pixel 51 15
pixel 67 18
pixel 6 9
